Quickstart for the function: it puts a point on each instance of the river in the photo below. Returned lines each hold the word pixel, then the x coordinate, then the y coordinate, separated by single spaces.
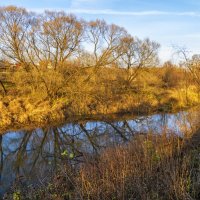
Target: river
pixel 31 157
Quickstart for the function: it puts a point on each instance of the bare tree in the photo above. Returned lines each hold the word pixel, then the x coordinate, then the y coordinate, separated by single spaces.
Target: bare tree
pixel 194 67
pixel 138 54
pixel 105 42
pixel 191 64
pixel 14 25
pixel 55 37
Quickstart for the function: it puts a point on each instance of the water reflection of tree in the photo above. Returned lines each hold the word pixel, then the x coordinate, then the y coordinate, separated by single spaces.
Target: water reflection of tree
pixel 36 154
pixel 42 148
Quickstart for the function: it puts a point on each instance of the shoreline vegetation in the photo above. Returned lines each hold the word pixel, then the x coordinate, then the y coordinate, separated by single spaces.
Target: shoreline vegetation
pixel 148 167
pixel 101 96
pixel 57 117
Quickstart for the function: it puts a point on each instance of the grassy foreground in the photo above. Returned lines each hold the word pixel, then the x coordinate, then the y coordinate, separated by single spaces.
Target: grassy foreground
pixel 149 167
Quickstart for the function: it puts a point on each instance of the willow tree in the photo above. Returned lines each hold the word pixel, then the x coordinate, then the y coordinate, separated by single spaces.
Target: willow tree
pixel 138 54
pixel 104 42
pixel 15 24
pixel 55 37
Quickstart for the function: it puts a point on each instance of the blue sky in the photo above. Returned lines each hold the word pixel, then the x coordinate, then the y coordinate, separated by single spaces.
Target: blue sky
pixel 169 22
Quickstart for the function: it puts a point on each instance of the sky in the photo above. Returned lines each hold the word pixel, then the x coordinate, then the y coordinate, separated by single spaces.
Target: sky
pixel 172 23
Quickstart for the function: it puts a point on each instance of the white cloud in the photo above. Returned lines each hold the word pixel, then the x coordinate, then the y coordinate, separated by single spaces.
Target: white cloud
pixel 133 13
pixel 122 13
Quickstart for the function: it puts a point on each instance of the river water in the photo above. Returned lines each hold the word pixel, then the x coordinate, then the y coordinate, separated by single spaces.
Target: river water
pixel 31 157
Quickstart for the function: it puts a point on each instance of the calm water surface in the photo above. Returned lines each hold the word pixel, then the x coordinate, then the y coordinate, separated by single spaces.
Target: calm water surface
pixel 32 156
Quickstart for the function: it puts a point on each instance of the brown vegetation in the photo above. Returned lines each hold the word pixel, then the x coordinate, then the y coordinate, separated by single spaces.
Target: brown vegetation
pixel 51 75
pixel 106 92
pixel 59 66
pixel 149 167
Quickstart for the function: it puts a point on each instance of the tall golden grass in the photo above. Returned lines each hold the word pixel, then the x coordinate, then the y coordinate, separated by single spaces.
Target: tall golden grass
pixel 106 92
pixel 149 167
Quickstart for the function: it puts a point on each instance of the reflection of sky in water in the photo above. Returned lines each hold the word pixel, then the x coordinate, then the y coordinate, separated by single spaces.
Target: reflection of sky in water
pixel 43 145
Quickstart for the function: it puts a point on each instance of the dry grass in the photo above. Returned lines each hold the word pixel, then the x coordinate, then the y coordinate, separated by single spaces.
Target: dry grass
pixel 148 168
pixel 106 92
pixel 144 169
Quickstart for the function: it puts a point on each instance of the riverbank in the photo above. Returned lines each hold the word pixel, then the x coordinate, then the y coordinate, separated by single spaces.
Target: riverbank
pixel 22 113
pixel 31 102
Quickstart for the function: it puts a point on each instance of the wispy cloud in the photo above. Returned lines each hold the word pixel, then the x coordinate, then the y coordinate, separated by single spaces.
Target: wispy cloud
pixel 133 13
pixel 124 13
